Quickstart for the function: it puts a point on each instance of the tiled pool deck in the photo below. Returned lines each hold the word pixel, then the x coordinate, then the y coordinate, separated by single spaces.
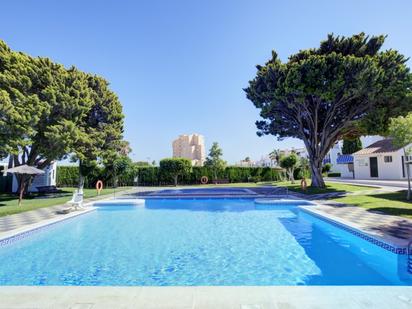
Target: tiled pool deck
pixel 265 297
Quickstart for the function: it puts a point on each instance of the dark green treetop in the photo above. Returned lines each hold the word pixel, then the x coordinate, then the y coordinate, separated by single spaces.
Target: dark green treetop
pixel 351 145
pixel 323 93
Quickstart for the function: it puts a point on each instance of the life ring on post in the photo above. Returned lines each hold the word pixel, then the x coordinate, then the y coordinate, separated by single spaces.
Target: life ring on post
pixel 204 180
pixel 303 184
pixel 99 186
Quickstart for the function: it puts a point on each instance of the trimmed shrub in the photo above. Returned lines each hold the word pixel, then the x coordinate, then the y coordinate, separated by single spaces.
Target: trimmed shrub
pixel 334 175
pixel 68 176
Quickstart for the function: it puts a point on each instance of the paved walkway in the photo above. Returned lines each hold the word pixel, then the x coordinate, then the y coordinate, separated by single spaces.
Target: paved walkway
pixel 265 297
pixel 394 230
pixel 387 184
pixel 23 219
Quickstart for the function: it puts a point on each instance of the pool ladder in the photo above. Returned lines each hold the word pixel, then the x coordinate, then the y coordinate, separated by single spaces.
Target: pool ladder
pixel 409 257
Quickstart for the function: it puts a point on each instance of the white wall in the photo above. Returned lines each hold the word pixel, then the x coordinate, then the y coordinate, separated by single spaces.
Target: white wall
pixel 46 179
pixel 390 170
pixel 344 171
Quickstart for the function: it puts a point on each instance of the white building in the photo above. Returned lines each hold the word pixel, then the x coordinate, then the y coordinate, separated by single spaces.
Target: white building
pixel 381 160
pixel 246 163
pixel 44 180
pixel 191 147
pixel 344 166
pixel 336 152
pixel 300 152
pixel 264 161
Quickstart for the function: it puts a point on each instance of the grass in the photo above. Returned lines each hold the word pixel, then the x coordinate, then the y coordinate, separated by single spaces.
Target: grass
pixel 9 202
pixel 330 187
pixel 393 203
pixel 238 184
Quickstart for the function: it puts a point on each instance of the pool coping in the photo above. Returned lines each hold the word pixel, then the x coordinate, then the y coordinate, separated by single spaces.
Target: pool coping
pixel 206 297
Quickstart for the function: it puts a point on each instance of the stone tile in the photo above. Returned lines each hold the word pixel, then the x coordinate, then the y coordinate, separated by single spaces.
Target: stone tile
pixel 165 297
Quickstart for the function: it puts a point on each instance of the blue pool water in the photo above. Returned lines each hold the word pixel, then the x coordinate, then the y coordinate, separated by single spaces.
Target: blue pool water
pixel 198 242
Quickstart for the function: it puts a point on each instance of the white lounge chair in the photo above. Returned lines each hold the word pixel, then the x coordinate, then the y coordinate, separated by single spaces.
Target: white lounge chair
pixel 76 203
pixel 77 200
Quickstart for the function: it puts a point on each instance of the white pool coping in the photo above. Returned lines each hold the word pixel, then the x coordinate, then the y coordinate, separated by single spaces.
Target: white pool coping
pixel 208 297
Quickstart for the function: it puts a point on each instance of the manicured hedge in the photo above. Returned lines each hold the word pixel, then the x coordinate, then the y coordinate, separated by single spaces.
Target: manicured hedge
pixel 151 176
pixel 334 174
pixel 67 176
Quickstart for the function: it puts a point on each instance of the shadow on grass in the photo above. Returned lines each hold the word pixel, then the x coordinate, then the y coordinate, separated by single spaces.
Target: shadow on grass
pixel 396 210
pixel 5 198
pixel 312 190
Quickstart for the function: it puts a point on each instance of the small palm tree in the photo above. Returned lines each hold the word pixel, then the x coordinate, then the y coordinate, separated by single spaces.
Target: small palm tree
pixel 275 156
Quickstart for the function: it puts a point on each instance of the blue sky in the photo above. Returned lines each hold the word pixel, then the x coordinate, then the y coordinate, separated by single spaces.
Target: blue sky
pixel 180 66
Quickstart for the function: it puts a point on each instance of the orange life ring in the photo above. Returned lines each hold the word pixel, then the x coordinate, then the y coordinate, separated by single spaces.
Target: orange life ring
pixel 99 186
pixel 204 180
pixel 303 184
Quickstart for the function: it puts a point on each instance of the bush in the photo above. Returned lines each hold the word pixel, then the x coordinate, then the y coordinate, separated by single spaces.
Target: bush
pixel 68 176
pixel 300 173
pixel 326 168
pixel 172 168
pixel 334 175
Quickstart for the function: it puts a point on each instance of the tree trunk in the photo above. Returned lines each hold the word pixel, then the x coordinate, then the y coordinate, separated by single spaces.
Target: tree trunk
pixel 407 166
pixel 290 175
pixel 316 174
pixel 175 178
pixel 80 185
pixel 22 185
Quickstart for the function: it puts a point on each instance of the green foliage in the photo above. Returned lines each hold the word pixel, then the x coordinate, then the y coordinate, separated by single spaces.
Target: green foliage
pixel 321 94
pixel 289 163
pixel 326 168
pixel 400 129
pixel 67 176
pixel 275 156
pixel 49 112
pixel 175 167
pixel 142 163
pixel 351 145
pixel 124 170
pixel 214 160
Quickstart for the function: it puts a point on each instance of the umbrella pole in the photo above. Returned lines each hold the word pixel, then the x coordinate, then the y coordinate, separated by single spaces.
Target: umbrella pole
pixel 21 190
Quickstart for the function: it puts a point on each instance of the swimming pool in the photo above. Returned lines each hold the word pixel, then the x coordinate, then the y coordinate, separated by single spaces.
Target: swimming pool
pixel 172 242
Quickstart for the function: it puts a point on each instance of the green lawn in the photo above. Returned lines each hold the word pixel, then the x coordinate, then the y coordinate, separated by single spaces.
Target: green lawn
pixel 8 202
pixel 238 184
pixel 393 203
pixel 330 187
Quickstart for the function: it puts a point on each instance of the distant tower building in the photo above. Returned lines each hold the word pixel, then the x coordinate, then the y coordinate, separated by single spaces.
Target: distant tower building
pixel 191 147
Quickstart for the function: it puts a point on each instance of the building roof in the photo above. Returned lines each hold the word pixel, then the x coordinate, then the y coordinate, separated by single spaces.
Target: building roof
pixel 381 146
pixel 344 159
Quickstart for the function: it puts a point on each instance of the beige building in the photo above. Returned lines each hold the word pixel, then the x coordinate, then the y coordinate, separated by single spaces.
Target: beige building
pixel 191 147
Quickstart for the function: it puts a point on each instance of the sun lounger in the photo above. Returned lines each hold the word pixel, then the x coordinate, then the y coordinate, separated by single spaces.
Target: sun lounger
pixel 76 203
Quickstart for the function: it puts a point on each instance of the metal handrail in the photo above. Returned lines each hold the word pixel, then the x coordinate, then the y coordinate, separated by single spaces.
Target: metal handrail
pixel 409 261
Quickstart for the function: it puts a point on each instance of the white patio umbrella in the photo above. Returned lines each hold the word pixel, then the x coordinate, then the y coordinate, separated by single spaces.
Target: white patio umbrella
pixel 24 170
